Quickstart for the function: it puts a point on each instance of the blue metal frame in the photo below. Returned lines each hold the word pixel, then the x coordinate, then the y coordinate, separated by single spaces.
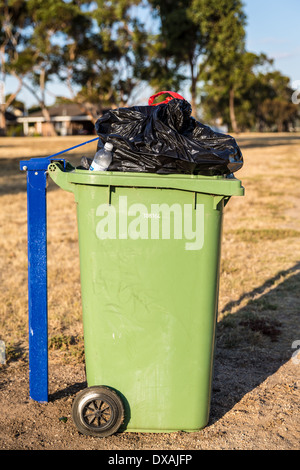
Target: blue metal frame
pixel 37 271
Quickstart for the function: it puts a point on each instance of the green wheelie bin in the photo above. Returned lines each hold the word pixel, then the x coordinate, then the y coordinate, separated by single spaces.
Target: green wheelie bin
pixel 149 249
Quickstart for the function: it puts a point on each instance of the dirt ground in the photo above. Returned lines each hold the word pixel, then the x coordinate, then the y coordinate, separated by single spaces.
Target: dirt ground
pixel 255 398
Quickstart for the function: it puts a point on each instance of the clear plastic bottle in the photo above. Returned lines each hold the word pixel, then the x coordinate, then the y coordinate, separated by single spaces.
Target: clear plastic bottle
pixel 102 158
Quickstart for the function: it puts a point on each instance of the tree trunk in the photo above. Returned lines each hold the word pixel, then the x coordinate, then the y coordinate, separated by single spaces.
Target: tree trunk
pixel 280 125
pixel 196 72
pixel 86 108
pixel 193 88
pixel 47 117
pixel 232 111
pixel 44 109
pixel 193 97
pixel 2 121
pixel 4 104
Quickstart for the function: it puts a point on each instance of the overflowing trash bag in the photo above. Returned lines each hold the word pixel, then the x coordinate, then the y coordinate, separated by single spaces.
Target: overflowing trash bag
pixel 166 139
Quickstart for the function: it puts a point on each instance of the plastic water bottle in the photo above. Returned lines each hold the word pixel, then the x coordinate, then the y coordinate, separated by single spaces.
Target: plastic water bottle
pixel 102 158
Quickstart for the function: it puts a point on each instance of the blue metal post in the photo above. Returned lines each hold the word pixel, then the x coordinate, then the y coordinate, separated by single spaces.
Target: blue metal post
pixel 37 285
pixel 37 270
pixel 37 275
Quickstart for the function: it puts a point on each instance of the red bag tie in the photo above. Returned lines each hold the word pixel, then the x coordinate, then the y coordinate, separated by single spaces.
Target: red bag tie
pixel 169 98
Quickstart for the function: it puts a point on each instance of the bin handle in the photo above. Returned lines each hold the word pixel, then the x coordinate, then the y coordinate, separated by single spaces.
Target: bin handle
pixel 60 177
pixel 169 98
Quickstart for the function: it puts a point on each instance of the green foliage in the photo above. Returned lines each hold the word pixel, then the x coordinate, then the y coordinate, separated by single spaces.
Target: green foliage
pixel 262 96
pixel 103 58
pixel 194 34
pixel 102 50
pixel 174 52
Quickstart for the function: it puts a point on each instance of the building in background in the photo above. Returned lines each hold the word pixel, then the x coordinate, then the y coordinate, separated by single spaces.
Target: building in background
pixel 68 119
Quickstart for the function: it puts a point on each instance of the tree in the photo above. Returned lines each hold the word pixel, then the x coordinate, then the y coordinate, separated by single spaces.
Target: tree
pixel 104 61
pixel 223 21
pixel 224 99
pixel 262 97
pixel 93 47
pixel 275 108
pixel 176 48
pixel 195 33
pixel 53 26
pixel 14 20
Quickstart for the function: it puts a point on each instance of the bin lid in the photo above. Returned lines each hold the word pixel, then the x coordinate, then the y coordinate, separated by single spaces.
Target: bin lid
pixel 216 185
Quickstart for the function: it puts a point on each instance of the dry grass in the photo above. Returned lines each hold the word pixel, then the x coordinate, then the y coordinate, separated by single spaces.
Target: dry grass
pixel 260 268
pixel 260 253
pixel 64 299
pixel 255 400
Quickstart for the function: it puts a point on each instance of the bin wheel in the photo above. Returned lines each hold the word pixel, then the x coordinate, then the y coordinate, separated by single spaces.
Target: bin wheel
pixel 98 411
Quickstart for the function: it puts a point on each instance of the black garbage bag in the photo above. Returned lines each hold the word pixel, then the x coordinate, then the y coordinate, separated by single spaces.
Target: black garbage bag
pixel 166 139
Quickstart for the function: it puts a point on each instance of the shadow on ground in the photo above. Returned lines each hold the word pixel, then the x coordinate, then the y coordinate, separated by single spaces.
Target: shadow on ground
pixel 253 341
pixel 13 180
pixel 247 142
pixel 256 340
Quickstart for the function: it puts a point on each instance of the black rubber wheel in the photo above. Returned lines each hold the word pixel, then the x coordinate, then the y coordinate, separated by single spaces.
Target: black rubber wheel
pixel 98 411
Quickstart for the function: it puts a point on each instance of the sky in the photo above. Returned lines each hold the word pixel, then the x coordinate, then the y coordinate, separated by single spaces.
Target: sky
pixel 272 27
